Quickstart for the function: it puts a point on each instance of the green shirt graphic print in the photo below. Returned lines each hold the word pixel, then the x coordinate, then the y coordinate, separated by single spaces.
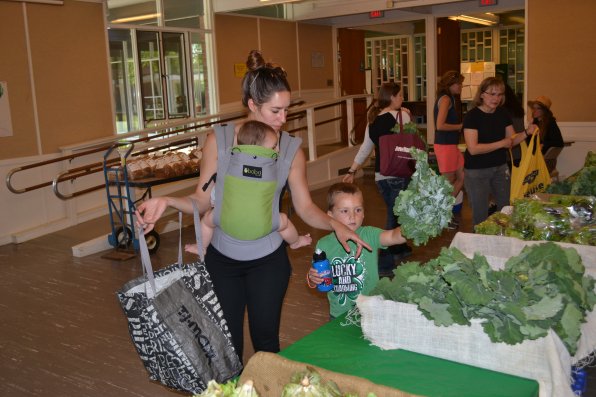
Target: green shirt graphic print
pixel 351 276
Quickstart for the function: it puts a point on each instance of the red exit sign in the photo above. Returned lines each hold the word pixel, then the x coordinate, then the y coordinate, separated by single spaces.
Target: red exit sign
pixel 376 14
pixel 488 2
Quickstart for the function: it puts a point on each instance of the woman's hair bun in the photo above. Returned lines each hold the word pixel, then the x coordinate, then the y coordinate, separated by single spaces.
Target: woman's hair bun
pixel 255 60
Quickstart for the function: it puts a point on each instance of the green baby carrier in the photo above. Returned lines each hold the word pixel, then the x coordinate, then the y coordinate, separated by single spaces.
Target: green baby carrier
pixel 247 194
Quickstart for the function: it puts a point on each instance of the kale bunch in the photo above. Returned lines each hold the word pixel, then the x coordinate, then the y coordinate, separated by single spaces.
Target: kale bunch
pixel 543 287
pixel 425 208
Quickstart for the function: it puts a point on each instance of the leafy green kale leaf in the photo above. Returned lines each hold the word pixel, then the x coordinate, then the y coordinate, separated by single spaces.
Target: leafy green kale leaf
pixel 425 208
pixel 543 287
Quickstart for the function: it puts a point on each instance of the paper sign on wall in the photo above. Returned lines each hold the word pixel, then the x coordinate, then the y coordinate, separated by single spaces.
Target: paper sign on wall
pixel 317 59
pixel 240 69
pixel 5 120
pixel 477 78
pixel 474 73
pixel 489 67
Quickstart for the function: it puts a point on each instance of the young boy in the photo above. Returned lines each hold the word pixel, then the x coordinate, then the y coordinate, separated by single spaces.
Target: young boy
pixel 351 276
pixel 260 134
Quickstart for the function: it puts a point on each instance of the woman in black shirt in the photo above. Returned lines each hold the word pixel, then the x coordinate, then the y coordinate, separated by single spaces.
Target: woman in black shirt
pixel 488 131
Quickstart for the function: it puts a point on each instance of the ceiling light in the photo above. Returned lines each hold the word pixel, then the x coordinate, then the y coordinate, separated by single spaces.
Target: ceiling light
pixel 278 1
pixel 136 18
pixel 485 19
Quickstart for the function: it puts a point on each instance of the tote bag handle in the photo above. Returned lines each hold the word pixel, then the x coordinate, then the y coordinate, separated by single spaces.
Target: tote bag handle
pixel 144 250
pixel 400 121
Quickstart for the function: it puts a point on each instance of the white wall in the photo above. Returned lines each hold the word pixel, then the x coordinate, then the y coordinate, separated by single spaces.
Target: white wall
pixel 572 157
pixel 32 214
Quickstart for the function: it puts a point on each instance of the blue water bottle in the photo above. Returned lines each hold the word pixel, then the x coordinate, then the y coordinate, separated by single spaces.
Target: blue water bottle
pixel 579 385
pixel 321 265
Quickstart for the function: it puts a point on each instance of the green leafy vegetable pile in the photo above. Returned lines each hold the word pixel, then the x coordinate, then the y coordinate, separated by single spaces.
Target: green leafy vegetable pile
pixel 543 287
pixel 409 128
pixel 229 389
pixel 582 183
pixel 570 219
pixel 308 383
pixel 425 208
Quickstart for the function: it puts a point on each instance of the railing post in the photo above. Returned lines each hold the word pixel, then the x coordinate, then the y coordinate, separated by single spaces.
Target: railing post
pixel 310 125
pixel 350 117
pixel 70 205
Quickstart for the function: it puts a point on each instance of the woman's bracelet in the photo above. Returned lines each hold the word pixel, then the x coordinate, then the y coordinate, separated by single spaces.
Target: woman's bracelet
pixel 351 171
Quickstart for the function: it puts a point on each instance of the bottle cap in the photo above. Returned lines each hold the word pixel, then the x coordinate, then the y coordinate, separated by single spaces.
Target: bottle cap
pixel 319 255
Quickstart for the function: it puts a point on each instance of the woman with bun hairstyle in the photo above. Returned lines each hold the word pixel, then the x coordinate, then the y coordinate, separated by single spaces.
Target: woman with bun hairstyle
pixel 448 129
pixel 257 285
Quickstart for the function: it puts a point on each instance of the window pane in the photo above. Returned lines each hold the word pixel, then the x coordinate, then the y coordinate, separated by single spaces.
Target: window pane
pixel 199 73
pixel 175 74
pixel 138 13
pixel 123 81
pixel 151 88
pixel 184 13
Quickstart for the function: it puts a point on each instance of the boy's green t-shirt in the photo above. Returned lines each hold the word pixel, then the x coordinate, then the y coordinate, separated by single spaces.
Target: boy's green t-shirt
pixel 351 277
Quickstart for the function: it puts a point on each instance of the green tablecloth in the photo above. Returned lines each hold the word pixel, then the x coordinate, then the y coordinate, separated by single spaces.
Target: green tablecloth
pixel 344 349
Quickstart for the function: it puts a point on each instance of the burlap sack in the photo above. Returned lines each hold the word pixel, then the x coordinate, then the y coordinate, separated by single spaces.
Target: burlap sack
pixel 270 373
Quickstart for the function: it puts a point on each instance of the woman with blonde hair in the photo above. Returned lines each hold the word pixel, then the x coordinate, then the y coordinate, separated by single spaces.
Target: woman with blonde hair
pixel 489 134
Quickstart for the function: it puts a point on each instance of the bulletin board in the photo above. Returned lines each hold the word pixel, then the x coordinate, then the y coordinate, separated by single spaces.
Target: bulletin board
pixel 474 73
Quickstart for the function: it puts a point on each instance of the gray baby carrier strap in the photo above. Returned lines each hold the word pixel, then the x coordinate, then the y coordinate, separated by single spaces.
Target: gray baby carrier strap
pixel 249 170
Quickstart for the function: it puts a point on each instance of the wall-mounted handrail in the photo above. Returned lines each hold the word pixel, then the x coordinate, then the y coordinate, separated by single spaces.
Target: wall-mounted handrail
pixel 352 133
pixel 103 146
pixel 167 132
pixel 86 170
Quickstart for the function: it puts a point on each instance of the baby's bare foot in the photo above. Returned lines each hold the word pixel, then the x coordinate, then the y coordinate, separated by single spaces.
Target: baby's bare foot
pixel 301 242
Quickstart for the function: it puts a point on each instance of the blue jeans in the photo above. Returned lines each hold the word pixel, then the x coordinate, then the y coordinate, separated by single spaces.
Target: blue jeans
pixel 483 183
pixel 389 189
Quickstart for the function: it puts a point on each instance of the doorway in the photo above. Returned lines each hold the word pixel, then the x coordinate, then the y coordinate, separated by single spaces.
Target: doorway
pixel 157 76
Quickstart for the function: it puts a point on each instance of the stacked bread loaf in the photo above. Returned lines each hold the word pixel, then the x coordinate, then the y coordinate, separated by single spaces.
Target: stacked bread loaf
pixel 164 165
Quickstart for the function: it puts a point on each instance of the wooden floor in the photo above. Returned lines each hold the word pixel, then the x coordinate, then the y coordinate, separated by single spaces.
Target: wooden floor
pixel 62 332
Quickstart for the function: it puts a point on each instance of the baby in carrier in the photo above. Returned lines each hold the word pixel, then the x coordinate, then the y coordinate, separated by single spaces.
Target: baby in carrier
pixel 255 133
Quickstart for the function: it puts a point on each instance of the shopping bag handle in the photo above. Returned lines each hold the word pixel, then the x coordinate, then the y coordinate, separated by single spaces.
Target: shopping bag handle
pixel 144 250
pixel 533 145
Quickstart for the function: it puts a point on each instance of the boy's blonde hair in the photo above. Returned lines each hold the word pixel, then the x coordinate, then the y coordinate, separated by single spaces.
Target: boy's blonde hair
pixel 337 188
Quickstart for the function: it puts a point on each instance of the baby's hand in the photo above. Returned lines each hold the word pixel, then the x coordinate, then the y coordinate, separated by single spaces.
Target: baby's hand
pixel 301 242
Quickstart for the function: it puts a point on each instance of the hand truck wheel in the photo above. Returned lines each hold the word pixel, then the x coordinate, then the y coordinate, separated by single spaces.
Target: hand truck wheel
pixel 152 239
pixel 123 237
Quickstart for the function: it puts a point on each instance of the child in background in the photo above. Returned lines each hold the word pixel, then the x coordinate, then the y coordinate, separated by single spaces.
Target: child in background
pixel 260 134
pixel 351 276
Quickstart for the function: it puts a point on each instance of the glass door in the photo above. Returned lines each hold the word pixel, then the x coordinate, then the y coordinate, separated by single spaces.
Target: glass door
pixel 124 82
pixel 151 74
pixel 164 87
pixel 174 65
